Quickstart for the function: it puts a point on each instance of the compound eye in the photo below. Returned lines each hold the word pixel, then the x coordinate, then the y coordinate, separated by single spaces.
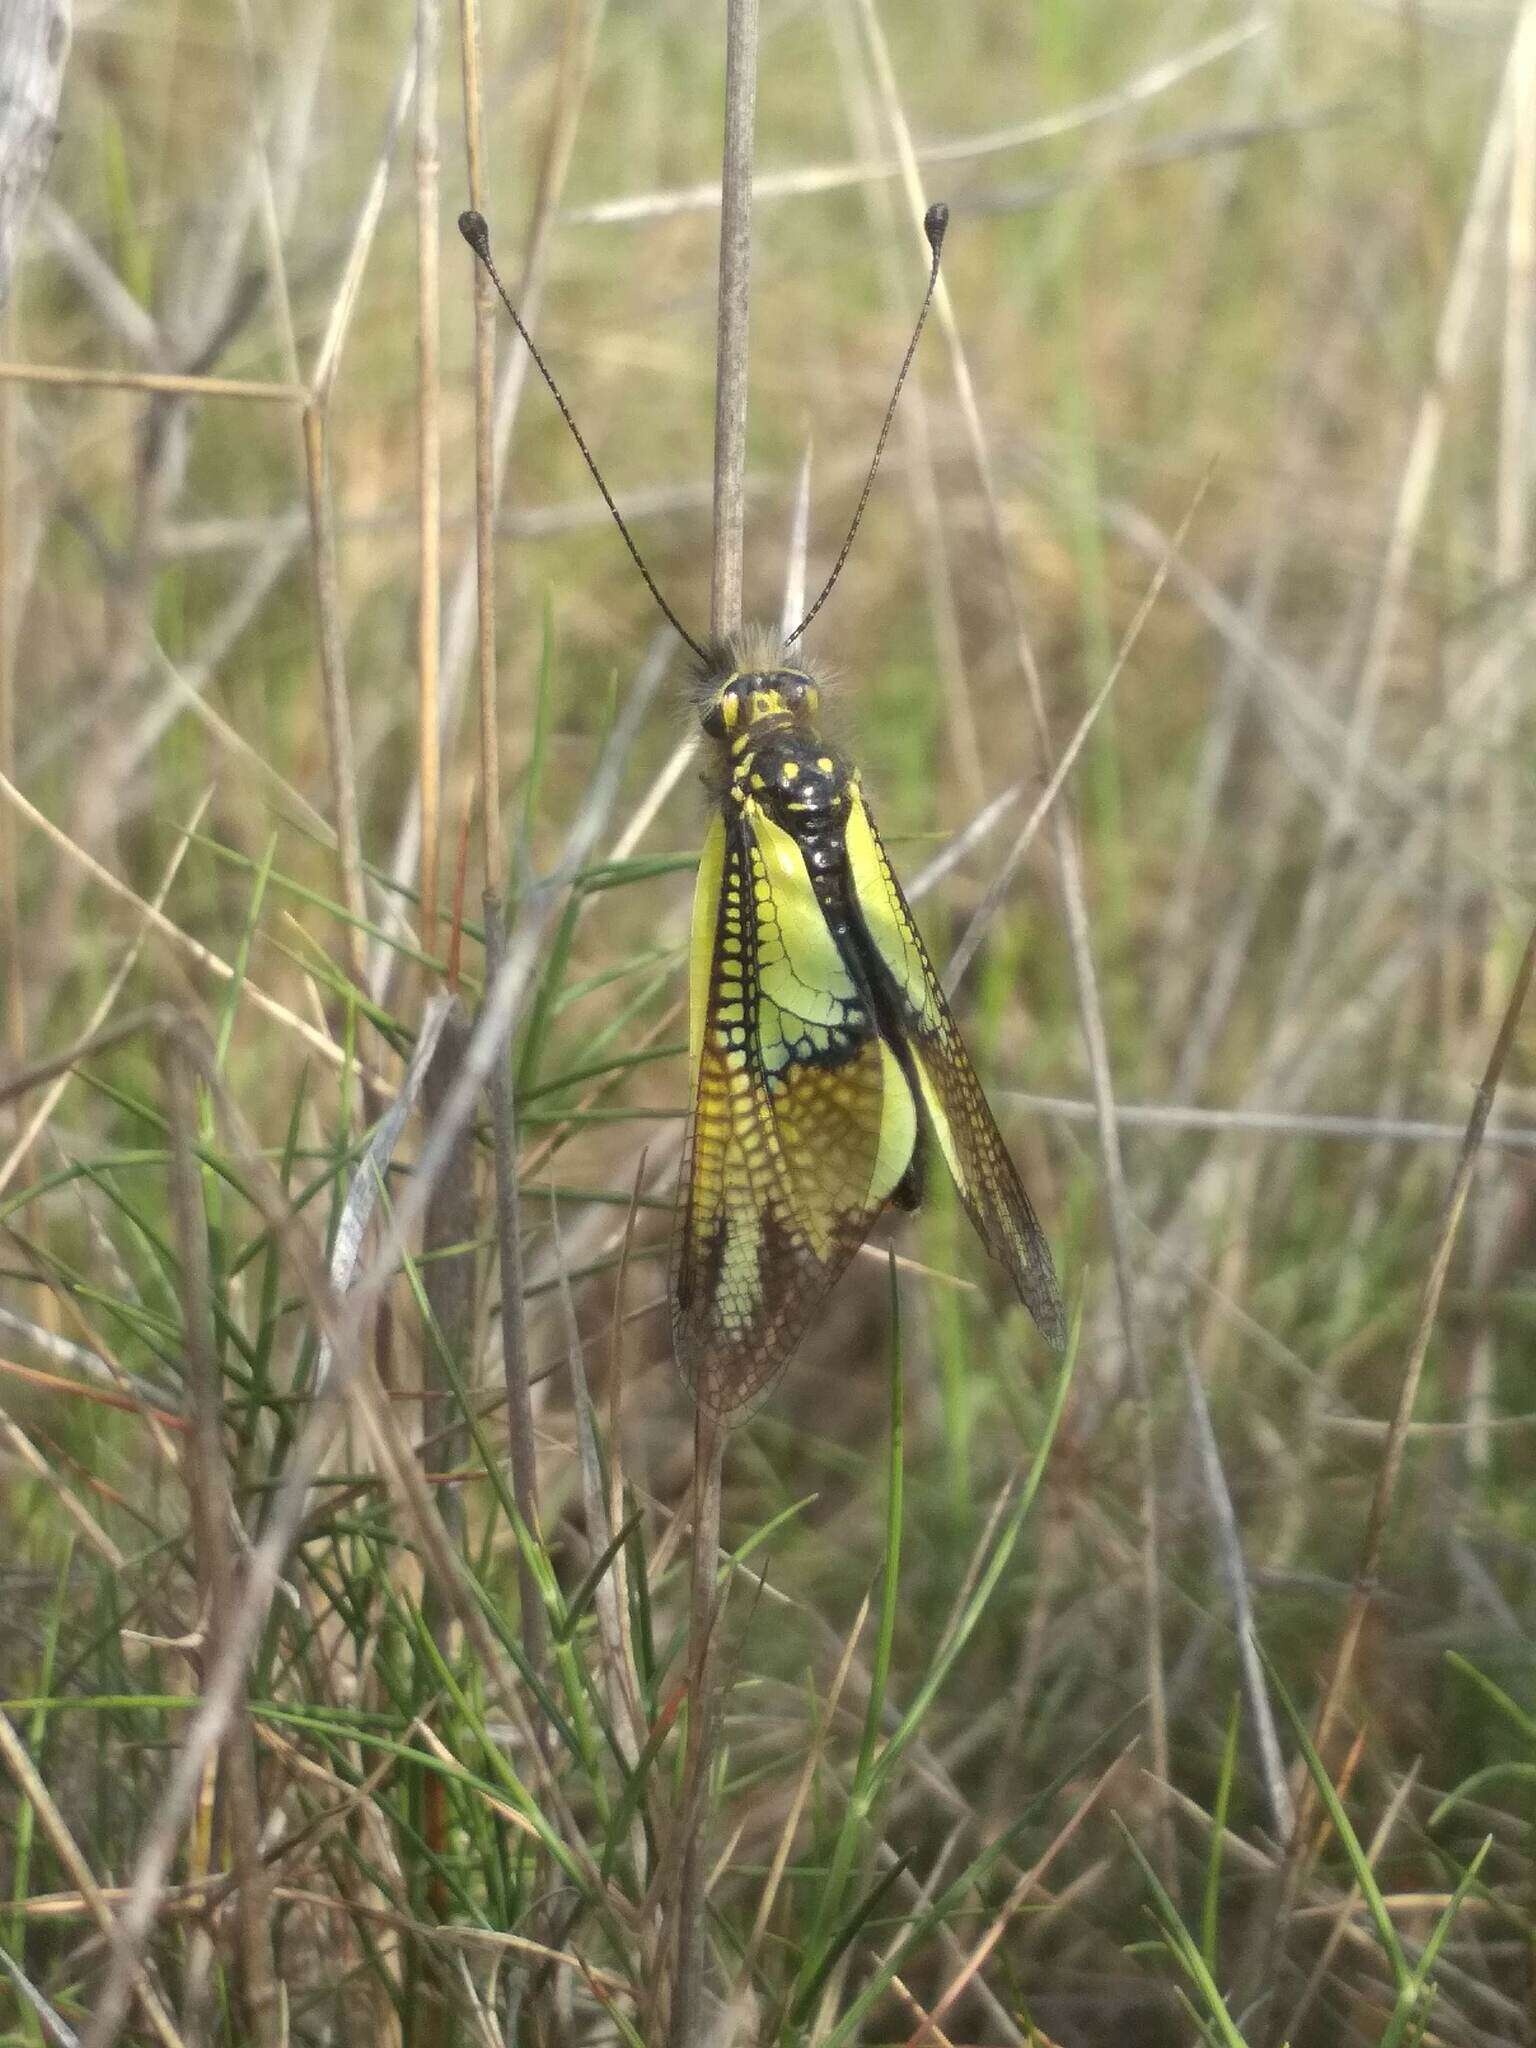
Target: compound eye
pixel 713 720
pixel 796 693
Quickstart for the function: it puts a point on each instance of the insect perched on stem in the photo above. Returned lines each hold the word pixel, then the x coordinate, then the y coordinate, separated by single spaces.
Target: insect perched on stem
pixel 826 1063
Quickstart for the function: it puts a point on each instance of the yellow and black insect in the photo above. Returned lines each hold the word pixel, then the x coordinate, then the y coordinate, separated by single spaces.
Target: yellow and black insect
pixel 825 1058
pixel 826 1064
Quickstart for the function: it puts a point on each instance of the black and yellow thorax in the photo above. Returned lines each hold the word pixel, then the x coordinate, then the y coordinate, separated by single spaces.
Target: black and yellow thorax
pixel 772 755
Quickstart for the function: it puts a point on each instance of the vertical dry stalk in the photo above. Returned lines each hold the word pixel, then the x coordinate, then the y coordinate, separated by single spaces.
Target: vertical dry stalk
pixel 13 1024
pixel 734 302
pixel 514 1349
pixel 213 1510
pixel 428 457
pixel 1384 1496
pixel 333 680
pixel 448 1279
pixel 724 618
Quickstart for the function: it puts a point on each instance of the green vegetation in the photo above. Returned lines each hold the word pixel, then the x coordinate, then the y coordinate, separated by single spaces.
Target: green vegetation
pixel 996 1758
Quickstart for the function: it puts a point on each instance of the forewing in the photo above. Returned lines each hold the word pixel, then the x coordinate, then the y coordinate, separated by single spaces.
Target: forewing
pixel 802 1123
pixel 952 1096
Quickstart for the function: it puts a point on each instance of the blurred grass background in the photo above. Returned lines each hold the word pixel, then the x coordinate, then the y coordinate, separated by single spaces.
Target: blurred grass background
pixel 1286 249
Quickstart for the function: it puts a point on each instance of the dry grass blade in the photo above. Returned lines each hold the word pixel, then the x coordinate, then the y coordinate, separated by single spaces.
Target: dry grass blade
pixel 1235 1571
pixel 463 634
pixel 170 382
pixel 333 680
pixel 344 305
pixel 1149 84
pixel 1362 1130
pixel 57 2030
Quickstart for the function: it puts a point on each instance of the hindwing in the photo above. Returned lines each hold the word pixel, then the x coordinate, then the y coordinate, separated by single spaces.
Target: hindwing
pixel 953 1100
pixel 803 1123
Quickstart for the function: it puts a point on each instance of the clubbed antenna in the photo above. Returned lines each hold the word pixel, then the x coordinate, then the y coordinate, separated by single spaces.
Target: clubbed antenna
pixel 474 230
pixel 935 221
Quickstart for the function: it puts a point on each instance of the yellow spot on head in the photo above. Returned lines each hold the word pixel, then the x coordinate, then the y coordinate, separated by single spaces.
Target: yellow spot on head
pixel 824 763
pixel 789 771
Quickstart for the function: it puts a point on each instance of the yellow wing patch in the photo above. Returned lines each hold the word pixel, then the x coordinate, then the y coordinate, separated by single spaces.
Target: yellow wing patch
pixel 953 1098
pixel 803 1121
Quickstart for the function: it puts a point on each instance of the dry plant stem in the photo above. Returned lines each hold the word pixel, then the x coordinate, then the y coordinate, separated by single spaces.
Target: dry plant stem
pixel 734 299
pixel 333 680
pixel 709 1433
pixel 514 1328
pixel 688 2022
pixel 213 1512
pixel 1075 905
pixel 448 1275
pixel 169 381
pixel 514 1342
pixel 493 843
pixel 576 54
pixel 1388 1477
pixel 448 1279
pixel 13 1016
pixel 429 505
pixel 1229 1542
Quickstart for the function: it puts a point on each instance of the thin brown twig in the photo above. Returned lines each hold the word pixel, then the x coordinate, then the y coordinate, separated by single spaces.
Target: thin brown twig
pixel 155 380
pixel 13 1011
pixel 734 299
pixel 429 487
pixel 333 683
pixel 504 1138
pixel 687 1991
